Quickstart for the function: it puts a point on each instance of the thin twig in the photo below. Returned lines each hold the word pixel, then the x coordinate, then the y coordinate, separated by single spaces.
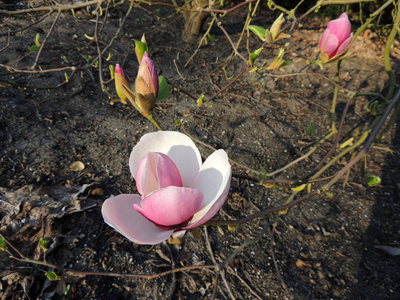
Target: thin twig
pixel 201 42
pixel 244 283
pixel 70 272
pixel 12 32
pixel 8 41
pixel 215 263
pixel 51 8
pixel 100 58
pixel 45 40
pixel 229 38
pixel 11 69
pixel 328 185
pixel 275 262
pixel 212 148
pixel 202 10
pixel 229 84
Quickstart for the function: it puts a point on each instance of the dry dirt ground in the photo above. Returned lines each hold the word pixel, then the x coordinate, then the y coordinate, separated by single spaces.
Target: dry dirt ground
pixel 324 248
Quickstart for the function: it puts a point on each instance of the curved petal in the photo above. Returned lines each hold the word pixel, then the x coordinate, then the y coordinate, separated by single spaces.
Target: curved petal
pixel 344 46
pixel 156 171
pixel 323 39
pixel 214 180
pixel 170 206
pixel 118 212
pixel 178 234
pixel 341 28
pixel 179 147
pixel 331 45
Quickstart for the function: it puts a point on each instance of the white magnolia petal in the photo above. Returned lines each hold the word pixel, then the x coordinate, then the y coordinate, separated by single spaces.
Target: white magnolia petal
pixel 118 212
pixel 179 147
pixel 178 234
pixel 213 179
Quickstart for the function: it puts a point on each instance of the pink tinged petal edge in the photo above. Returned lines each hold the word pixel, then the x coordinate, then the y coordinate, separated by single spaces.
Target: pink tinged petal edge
pixel 171 206
pixel 119 70
pixel 179 148
pixel 155 171
pixel 214 180
pixel 331 45
pixel 118 212
pixel 341 28
pixel 344 46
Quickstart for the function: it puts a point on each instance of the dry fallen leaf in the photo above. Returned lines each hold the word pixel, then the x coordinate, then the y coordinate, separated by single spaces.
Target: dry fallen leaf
pixel 302 265
pixel 97 192
pixel 77 166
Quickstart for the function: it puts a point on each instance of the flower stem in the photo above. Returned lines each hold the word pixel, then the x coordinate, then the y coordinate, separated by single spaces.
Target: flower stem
pixel 335 94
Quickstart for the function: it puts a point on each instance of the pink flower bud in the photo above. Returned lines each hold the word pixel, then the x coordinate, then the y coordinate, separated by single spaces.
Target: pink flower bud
pixel 147 63
pixel 146 85
pixel 120 79
pixel 336 38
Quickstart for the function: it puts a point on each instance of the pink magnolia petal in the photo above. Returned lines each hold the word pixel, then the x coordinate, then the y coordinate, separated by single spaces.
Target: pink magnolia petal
pixel 331 45
pixel 341 28
pixel 156 171
pixel 323 39
pixel 118 212
pixel 171 206
pixel 344 46
pixel 179 147
pixel 152 69
pixel 213 180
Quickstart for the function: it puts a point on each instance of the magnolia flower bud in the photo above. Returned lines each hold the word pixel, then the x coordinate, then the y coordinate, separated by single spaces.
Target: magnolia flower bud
pixel 274 33
pixel 120 79
pixel 336 38
pixel 146 85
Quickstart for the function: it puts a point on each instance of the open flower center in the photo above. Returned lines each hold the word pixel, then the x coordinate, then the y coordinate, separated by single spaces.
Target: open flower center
pixel 165 201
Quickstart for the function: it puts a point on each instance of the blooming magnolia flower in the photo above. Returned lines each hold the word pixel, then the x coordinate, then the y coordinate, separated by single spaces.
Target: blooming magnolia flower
pixel 177 192
pixel 336 38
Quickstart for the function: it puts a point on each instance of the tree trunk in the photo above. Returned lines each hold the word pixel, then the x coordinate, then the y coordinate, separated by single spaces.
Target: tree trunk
pixel 194 21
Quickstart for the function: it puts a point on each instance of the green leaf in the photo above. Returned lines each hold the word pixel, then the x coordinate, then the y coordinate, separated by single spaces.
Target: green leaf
pixel 43 244
pixel 140 49
pixel 372 108
pixel 34 48
pixel 258 31
pixel 163 89
pixel 264 174
pixel 286 63
pixel 211 37
pixel 37 41
pixel 200 100
pixel 67 289
pixel 254 55
pixel 310 129
pixel 373 180
pixel 52 276
pixel 3 244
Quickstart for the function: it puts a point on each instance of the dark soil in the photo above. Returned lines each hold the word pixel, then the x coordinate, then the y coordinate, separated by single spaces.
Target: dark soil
pixel 324 248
